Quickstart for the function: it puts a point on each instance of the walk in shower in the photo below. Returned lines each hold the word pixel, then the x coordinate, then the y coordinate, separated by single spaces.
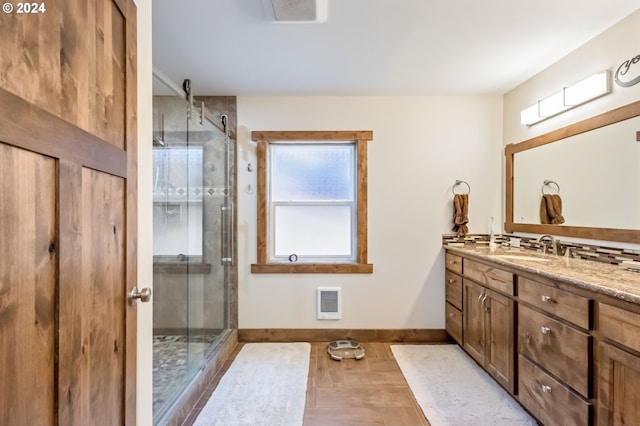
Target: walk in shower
pixel 193 157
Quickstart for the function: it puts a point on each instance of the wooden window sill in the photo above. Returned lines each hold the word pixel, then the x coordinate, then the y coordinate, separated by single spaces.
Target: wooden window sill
pixel 312 268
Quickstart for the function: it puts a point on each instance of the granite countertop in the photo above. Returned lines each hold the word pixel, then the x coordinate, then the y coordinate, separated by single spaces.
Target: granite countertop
pixel 612 280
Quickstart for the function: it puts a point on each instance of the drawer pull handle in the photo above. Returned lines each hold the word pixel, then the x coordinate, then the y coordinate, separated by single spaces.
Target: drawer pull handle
pixel 546 299
pixel 546 388
pixel 545 330
pixel 451 281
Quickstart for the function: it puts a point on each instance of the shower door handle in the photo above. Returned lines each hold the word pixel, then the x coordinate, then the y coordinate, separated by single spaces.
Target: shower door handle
pixel 226 247
pixel 143 295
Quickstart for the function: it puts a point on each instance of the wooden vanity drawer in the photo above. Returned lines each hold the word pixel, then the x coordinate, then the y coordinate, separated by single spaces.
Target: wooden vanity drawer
pixel 453 262
pixel 454 322
pixel 490 276
pixel 453 289
pixel 548 399
pixel 570 307
pixel 557 347
pixel 619 325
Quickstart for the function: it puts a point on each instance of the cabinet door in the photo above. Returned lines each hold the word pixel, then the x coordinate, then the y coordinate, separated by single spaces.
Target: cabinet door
pixel 474 320
pixel 499 351
pixel 618 384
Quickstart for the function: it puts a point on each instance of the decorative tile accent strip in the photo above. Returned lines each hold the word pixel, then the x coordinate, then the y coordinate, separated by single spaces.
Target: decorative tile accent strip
pixel 480 239
pixel 193 193
pixel 610 255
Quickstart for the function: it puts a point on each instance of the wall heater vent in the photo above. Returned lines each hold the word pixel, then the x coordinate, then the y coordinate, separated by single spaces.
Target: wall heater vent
pixel 329 303
pixel 295 11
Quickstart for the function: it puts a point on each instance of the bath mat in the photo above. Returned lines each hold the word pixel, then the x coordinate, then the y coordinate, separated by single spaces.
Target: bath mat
pixel 453 390
pixel 265 385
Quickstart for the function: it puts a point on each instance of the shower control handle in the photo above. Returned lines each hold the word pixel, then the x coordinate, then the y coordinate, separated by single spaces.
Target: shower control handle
pixel 144 295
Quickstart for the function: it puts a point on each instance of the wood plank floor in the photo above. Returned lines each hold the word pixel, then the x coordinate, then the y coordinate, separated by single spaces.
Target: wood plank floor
pixel 370 391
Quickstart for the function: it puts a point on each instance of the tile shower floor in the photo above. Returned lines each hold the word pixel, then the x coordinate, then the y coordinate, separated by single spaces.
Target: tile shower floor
pixel 175 359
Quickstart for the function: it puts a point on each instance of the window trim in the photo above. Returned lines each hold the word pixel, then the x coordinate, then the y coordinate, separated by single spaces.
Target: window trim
pixel 263 139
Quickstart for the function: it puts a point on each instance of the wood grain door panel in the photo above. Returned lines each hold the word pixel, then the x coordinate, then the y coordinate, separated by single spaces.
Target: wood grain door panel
pixel 92 290
pixel 620 325
pixel 500 355
pixel 68 217
pixel 474 320
pixel 618 384
pixel 27 287
pixel 71 61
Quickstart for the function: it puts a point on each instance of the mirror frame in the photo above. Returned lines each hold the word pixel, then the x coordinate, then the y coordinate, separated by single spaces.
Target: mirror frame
pixel 606 234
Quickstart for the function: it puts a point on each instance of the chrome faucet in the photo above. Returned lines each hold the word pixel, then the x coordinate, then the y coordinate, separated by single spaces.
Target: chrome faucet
pixel 549 241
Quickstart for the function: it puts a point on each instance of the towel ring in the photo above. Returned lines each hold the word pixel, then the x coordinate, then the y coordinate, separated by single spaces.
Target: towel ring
pixel 549 182
pixel 460 182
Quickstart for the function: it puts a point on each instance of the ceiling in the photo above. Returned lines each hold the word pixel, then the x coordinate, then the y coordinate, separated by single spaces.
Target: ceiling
pixel 373 47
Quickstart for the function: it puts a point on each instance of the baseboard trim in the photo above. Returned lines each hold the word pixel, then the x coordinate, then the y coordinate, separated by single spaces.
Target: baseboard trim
pixel 247 335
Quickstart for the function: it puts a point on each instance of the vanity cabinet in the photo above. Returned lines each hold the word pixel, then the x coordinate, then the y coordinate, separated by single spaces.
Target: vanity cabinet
pixel 618 366
pixel 568 352
pixel 488 320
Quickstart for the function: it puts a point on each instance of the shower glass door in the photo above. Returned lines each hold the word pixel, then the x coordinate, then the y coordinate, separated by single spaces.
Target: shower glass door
pixel 190 192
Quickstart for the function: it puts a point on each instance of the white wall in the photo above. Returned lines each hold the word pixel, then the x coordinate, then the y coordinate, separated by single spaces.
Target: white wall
pixel 421 146
pixel 145 213
pixel 606 51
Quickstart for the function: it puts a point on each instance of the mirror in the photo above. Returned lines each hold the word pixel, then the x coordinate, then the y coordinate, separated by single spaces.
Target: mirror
pixel 593 165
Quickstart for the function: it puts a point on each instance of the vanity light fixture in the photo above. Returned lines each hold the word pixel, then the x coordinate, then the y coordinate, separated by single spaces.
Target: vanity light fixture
pixel 582 92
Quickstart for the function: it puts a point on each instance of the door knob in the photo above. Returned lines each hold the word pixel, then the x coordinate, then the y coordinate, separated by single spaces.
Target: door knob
pixel 144 295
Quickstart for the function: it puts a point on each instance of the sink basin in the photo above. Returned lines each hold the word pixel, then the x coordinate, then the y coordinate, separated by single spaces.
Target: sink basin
pixel 521 257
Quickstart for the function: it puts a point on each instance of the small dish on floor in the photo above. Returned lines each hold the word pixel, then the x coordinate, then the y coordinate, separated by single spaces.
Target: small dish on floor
pixel 340 349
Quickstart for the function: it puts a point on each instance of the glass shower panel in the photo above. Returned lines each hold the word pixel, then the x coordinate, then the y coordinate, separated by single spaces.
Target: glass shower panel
pixel 198 265
pixel 174 242
pixel 216 230
pixel 193 233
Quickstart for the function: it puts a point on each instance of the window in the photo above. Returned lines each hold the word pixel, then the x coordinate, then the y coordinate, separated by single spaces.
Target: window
pixel 312 202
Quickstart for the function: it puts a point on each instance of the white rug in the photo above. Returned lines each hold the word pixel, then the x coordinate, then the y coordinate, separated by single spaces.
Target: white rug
pixel 453 390
pixel 266 385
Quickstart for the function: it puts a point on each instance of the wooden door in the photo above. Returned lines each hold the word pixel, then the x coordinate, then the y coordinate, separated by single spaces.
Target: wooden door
pixel 499 353
pixel 68 193
pixel 618 384
pixel 474 320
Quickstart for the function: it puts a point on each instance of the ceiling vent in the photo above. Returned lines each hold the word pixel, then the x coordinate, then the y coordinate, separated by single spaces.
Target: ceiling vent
pixel 295 11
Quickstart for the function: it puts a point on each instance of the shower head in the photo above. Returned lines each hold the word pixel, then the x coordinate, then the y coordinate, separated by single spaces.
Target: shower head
pixel 157 141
